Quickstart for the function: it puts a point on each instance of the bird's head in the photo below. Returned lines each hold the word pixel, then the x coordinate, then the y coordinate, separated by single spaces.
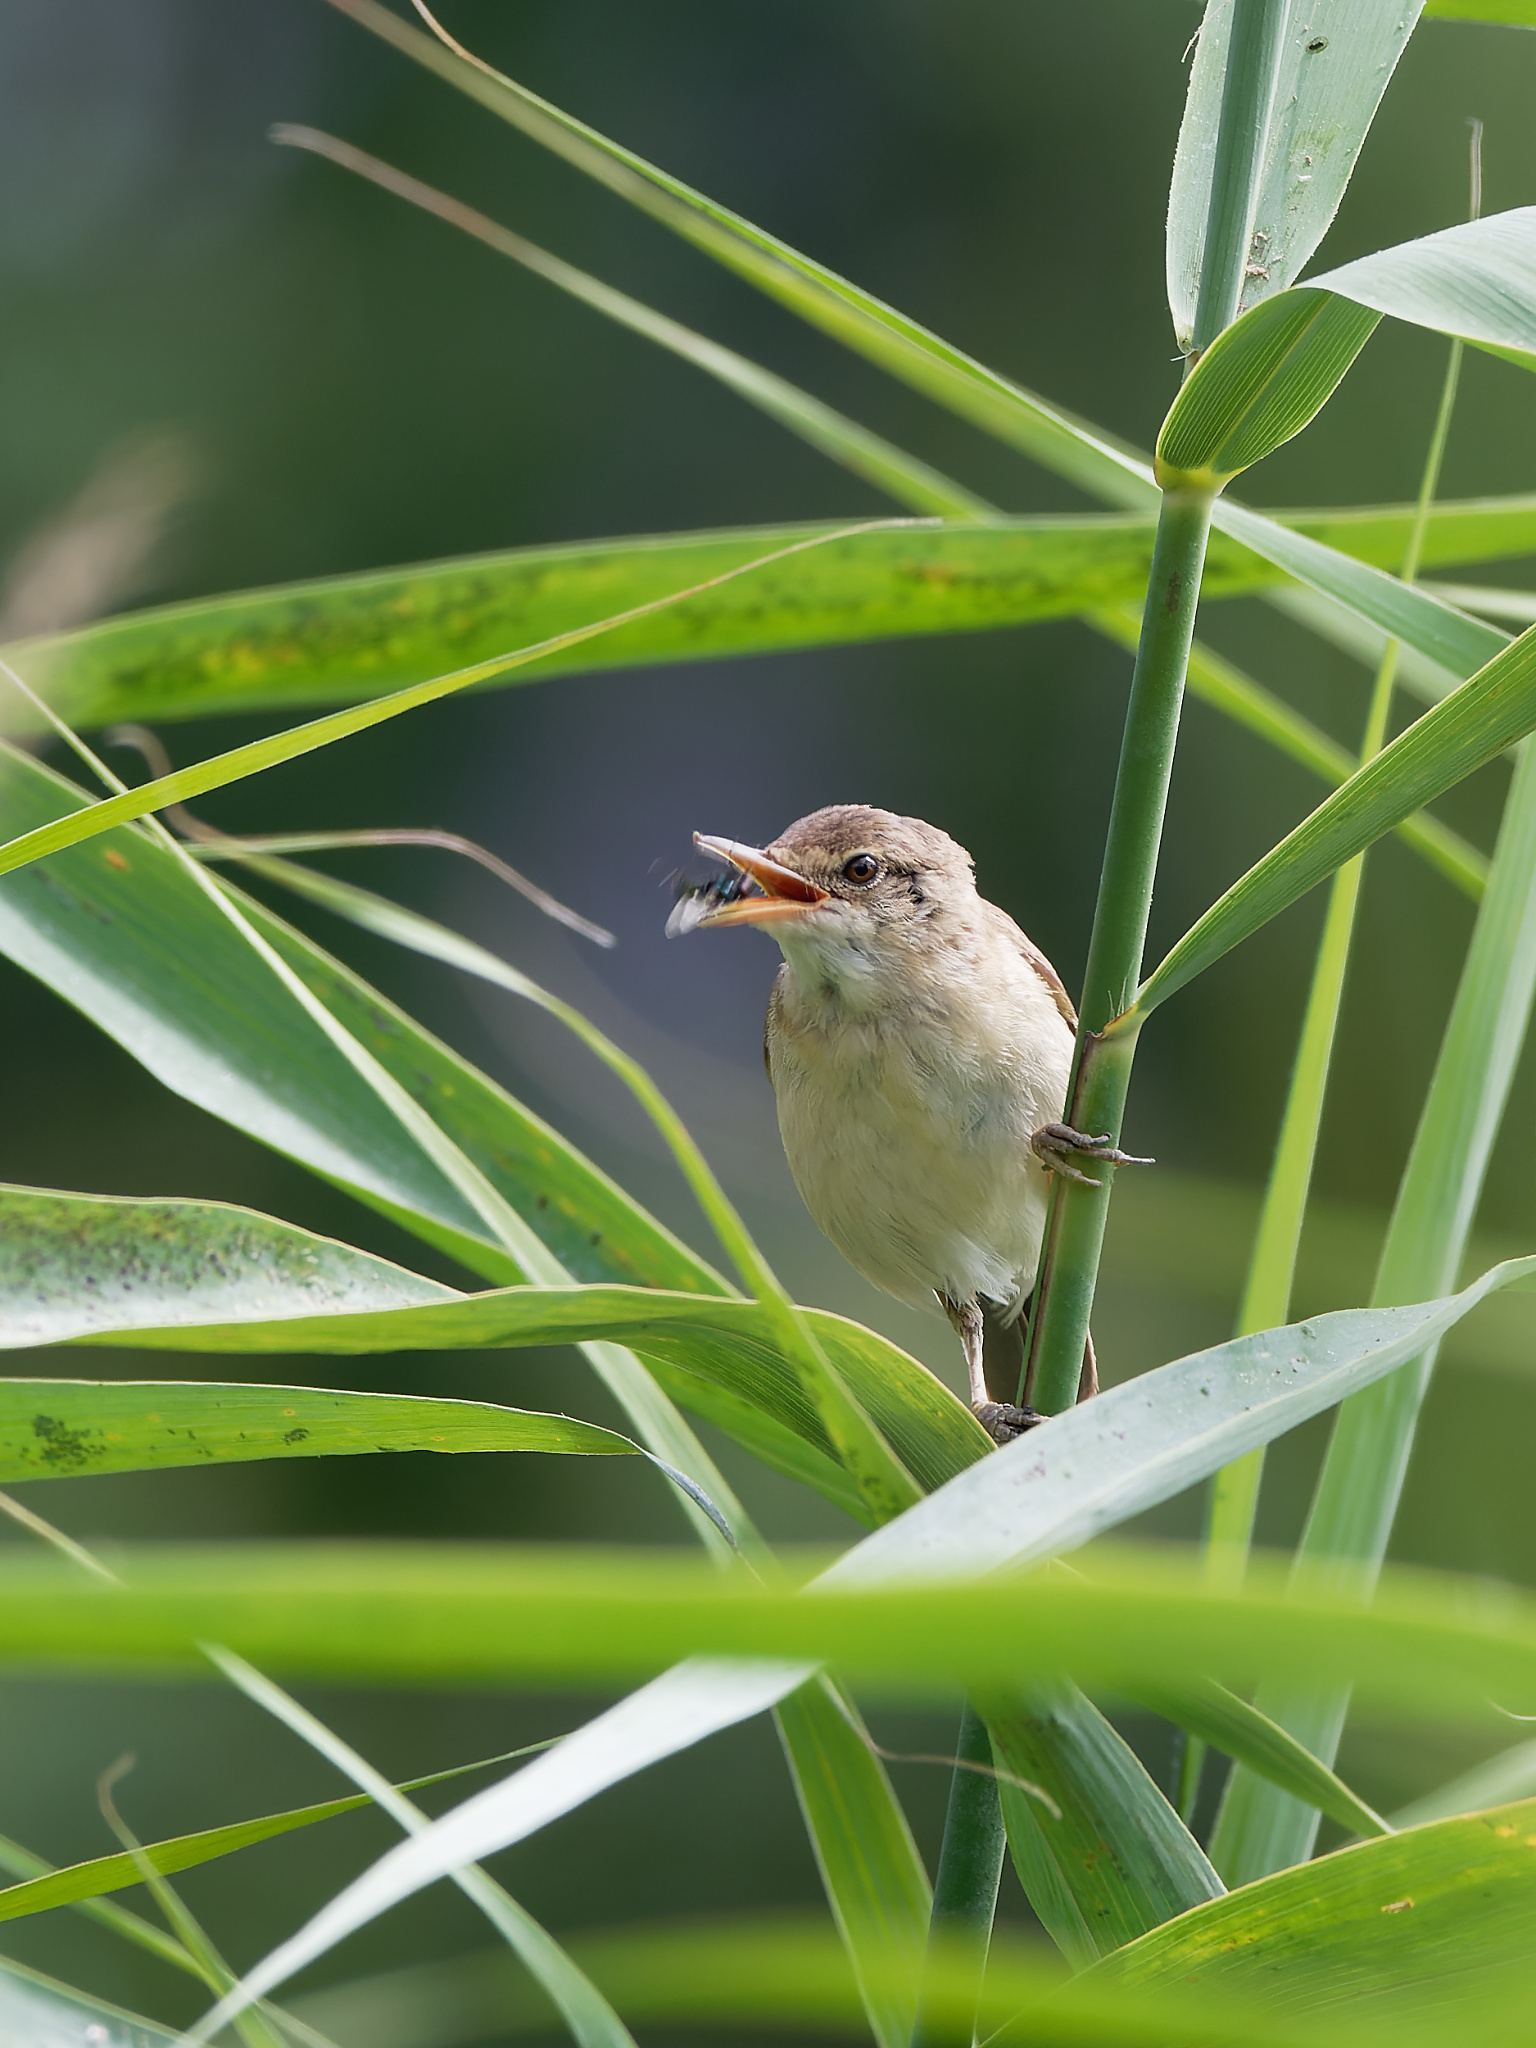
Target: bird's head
pixel 846 881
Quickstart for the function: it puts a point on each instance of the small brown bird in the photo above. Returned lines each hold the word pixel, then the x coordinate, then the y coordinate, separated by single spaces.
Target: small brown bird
pixel 919 1048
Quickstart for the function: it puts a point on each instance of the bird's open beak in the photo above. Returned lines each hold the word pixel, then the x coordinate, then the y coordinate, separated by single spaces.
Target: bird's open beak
pixel 785 894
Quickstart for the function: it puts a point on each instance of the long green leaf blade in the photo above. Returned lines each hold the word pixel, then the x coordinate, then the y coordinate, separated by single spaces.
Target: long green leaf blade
pixel 1098 462
pixel 1125 1621
pixel 80 1882
pixel 1114 1859
pixel 345 638
pixel 1138 1443
pixel 449 1614
pixel 874 1877
pixel 123 933
pixel 56 1429
pixel 1240 1731
pixel 1472 725
pixel 1395 1920
pixel 1362 1478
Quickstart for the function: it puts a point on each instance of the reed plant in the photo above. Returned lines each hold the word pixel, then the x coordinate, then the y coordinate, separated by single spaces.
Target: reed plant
pixel 120 902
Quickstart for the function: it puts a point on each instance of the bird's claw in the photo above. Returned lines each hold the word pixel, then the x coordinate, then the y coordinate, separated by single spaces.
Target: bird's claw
pixel 1003 1421
pixel 1058 1146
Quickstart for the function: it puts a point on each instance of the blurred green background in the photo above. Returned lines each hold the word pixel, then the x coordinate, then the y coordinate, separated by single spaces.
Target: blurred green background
pixel 338 383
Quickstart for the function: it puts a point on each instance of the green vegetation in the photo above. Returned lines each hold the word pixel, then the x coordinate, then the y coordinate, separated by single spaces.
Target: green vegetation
pixel 955 1590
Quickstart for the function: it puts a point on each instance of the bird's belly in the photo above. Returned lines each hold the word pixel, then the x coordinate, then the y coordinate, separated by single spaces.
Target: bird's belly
pixel 921 1176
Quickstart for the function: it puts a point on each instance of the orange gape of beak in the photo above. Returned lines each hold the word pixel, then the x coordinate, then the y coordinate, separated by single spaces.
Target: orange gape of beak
pixel 785 894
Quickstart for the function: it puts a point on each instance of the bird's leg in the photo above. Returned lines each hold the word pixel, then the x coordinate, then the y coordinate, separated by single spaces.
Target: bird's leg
pixel 1000 1419
pixel 1058 1147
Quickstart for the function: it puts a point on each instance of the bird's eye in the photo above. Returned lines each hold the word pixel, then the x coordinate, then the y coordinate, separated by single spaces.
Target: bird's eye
pixel 862 868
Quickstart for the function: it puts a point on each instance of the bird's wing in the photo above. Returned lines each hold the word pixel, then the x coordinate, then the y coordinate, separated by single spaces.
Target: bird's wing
pixel 1042 967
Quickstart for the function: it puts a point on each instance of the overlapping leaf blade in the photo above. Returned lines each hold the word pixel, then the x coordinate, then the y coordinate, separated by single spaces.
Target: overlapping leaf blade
pixel 138 948
pixel 730 1352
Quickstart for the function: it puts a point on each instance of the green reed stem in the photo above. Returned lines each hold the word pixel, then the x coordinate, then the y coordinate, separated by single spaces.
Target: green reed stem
pixel 970 1869
pixel 1069 1262
pixel 1074 1236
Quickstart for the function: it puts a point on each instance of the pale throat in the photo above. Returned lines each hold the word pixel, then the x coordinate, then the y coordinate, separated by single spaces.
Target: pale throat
pixel 837 971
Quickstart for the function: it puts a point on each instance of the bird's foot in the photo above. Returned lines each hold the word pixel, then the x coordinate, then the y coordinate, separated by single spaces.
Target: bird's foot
pixel 1058 1147
pixel 1003 1421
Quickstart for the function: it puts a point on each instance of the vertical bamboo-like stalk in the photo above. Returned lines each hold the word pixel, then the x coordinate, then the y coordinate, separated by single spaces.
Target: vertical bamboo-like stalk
pixel 1069 1263
pixel 970 1866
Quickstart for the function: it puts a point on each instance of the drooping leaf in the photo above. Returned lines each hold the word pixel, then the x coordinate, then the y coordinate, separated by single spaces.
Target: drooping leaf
pixel 65 1259
pixel 127 934
pixel 1337 60
pixel 122 932
pixel 712 1338
pixel 1476 280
